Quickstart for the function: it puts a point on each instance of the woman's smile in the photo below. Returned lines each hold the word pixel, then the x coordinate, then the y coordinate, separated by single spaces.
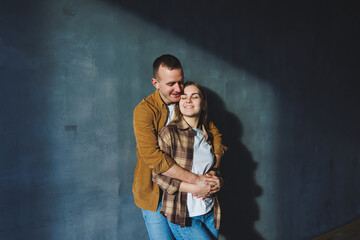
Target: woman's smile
pixel 190 102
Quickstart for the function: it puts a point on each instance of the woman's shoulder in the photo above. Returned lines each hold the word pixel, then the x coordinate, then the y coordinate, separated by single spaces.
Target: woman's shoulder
pixel 168 129
pixel 171 127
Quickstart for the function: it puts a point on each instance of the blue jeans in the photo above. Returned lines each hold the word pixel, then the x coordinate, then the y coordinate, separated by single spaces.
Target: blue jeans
pixel 157 225
pixel 199 228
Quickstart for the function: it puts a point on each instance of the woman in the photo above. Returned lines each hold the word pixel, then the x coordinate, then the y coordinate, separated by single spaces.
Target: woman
pixel 188 142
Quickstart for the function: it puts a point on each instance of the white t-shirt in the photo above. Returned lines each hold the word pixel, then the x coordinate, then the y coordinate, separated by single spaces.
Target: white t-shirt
pixel 203 160
pixel 171 113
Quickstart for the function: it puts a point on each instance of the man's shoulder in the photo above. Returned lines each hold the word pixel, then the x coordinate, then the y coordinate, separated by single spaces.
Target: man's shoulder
pixel 148 103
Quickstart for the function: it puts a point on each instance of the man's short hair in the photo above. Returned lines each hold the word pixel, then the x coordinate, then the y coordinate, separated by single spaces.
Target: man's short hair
pixel 166 60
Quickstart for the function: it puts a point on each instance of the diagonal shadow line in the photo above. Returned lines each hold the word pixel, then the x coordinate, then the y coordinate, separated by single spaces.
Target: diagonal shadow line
pixel 302 49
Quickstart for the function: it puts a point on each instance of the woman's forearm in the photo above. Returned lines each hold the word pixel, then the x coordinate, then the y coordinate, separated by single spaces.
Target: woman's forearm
pixel 187 187
pixel 201 188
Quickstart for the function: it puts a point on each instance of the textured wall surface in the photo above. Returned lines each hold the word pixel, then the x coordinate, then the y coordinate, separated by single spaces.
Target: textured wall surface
pixel 283 86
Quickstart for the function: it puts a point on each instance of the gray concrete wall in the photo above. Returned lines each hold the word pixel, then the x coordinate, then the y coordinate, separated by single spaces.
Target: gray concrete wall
pixel 283 85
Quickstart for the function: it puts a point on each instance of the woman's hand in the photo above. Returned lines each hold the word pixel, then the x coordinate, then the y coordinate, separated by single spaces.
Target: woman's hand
pixel 202 188
pixel 215 184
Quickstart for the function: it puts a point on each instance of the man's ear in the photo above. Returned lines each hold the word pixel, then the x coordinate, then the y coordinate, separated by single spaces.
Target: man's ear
pixel 155 82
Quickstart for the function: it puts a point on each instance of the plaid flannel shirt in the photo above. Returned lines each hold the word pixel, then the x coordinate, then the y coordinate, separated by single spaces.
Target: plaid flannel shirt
pixel 150 116
pixel 177 141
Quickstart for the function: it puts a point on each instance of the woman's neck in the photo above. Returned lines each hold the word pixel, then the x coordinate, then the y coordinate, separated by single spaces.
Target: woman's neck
pixel 192 121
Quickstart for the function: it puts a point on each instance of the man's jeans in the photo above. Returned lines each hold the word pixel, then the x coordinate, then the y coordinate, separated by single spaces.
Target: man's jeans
pixel 199 228
pixel 157 225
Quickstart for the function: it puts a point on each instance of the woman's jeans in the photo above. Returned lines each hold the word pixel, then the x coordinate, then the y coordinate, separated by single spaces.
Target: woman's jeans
pixel 157 225
pixel 199 228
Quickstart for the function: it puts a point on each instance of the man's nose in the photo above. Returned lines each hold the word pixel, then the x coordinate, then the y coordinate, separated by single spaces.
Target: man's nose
pixel 177 87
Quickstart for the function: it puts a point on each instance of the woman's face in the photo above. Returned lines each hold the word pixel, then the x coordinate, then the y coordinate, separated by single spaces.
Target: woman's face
pixel 190 102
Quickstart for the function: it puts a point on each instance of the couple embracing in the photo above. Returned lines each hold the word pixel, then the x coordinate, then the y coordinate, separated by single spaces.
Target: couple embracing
pixel 179 150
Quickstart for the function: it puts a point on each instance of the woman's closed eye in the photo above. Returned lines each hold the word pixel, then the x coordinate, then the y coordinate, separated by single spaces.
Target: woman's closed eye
pixel 192 97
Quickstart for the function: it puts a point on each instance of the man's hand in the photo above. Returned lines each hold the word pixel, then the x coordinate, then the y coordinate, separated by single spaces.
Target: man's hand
pixel 202 188
pixel 199 178
pixel 213 181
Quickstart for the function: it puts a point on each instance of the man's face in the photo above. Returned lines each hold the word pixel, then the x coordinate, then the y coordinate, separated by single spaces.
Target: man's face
pixel 170 84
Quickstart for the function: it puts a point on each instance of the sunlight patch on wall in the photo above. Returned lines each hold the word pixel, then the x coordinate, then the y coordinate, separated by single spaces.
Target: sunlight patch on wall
pixel 103 57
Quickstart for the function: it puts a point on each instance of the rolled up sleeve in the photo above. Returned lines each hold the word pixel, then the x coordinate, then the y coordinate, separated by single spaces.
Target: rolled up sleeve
pixel 167 184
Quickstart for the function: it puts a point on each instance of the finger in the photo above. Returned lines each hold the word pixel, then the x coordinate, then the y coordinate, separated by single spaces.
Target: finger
pixel 214 184
pixel 215 191
pixel 211 176
pixel 212 181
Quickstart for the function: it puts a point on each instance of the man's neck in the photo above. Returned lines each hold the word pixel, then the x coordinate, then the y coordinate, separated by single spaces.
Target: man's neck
pixel 167 102
pixel 192 121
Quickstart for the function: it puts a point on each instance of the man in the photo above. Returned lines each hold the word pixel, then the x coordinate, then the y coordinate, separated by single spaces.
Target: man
pixel 150 116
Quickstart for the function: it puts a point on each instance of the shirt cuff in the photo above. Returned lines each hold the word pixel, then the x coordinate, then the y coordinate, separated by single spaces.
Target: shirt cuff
pixel 174 187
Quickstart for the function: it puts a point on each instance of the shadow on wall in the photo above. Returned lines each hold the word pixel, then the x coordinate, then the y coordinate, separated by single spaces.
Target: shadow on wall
pixel 237 198
pixel 308 53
